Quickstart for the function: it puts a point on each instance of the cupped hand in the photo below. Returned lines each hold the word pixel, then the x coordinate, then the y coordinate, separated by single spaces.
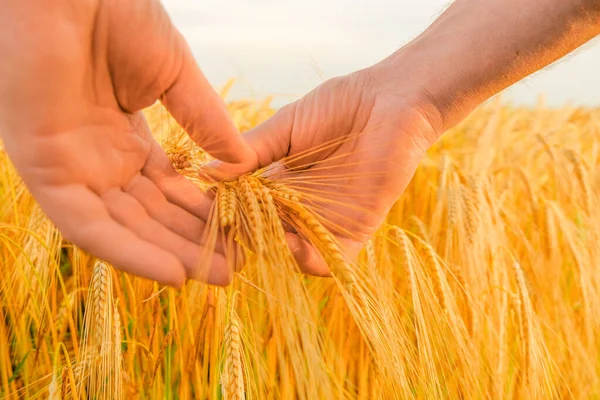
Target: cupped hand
pixel 372 131
pixel 74 77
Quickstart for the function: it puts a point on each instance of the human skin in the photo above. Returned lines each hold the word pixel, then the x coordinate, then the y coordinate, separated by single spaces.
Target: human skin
pixel 73 79
pixel 78 74
pixel 395 110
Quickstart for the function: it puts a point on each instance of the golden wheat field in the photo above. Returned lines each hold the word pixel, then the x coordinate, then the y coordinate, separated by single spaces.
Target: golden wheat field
pixel 482 284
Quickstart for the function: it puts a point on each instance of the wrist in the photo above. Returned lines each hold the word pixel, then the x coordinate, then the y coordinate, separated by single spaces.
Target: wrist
pixel 434 78
pixel 406 81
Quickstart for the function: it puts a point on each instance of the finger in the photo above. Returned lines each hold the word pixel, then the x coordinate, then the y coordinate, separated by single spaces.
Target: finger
pixel 203 114
pixel 271 141
pixel 158 207
pixel 85 221
pixel 307 256
pixel 177 189
pixel 309 259
pixel 171 216
pixel 130 213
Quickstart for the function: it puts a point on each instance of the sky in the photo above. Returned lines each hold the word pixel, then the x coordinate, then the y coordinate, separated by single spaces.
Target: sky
pixel 286 48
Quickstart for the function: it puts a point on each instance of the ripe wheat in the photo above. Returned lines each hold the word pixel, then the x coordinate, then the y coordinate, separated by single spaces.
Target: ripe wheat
pixel 481 283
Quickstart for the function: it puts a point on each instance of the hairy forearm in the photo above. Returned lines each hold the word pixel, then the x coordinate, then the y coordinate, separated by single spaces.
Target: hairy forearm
pixel 476 48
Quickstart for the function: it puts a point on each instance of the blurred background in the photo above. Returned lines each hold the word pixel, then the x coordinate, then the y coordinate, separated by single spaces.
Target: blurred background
pixel 286 48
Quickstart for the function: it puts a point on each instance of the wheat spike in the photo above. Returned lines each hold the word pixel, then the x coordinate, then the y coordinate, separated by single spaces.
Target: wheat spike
pixel 280 190
pixel 227 205
pixel 470 199
pixel 399 237
pixel 233 385
pixel 180 160
pixel 439 280
pixel 546 147
pixel 159 357
pixel 99 370
pixel 31 281
pixel 62 317
pixel 101 291
pixel 452 209
pixel 252 211
pixel 581 175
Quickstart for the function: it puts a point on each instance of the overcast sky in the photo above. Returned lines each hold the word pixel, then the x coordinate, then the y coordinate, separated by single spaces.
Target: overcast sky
pixel 288 47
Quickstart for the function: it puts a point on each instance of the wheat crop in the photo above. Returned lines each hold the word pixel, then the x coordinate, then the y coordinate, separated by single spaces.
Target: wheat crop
pixel 481 283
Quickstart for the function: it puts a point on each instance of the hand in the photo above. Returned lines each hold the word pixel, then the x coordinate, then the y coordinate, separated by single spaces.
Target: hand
pixel 381 134
pixel 385 117
pixel 73 81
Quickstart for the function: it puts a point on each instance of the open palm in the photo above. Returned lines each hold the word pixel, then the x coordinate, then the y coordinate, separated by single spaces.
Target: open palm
pixel 73 88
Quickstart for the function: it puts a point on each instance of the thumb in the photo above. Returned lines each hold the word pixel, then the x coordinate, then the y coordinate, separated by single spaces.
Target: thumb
pixel 270 142
pixel 202 113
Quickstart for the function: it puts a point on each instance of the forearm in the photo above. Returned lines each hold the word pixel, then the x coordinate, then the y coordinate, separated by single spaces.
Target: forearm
pixel 479 47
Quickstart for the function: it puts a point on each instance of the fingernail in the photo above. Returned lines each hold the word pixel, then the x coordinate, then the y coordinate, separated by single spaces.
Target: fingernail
pixel 209 171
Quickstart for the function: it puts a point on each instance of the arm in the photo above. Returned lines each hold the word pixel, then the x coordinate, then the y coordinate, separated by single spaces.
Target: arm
pixel 477 48
pixel 395 110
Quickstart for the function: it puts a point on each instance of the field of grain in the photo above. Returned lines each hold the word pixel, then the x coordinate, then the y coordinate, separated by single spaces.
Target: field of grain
pixel 482 284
